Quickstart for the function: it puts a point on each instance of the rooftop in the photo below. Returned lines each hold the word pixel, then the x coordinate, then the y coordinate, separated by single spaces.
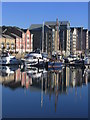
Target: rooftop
pixel 9 29
pixel 48 24
pixel 35 26
pixel 15 35
pixel 24 30
pixel 85 29
pixel 54 23
pixel 7 36
pixel 0 30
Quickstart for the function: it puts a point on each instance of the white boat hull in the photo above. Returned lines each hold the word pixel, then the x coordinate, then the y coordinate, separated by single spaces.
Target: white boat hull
pixel 9 61
pixel 30 62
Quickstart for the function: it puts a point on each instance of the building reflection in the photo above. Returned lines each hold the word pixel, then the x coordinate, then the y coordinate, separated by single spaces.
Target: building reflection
pixel 55 82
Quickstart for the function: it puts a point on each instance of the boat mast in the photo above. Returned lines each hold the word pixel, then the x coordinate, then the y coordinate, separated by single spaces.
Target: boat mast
pixel 57 32
pixel 46 42
pixel 58 38
pixel 43 38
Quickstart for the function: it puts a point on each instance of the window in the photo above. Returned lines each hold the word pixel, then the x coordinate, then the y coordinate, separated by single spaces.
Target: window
pixel 7 46
pixel 8 43
pixel 28 46
pixel 27 41
pixel 2 45
pixel 23 35
pixel 27 36
pixel 12 45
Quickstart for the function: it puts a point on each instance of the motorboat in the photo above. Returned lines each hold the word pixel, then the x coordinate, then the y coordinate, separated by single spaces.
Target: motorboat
pixel 87 60
pixel 35 72
pixel 45 57
pixel 54 65
pixel 72 58
pixel 8 69
pixel 7 59
pixel 33 59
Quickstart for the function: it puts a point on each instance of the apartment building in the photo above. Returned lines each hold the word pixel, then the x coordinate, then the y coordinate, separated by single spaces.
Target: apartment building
pixel 42 37
pixel 65 37
pixel 54 26
pixel 7 43
pixel 25 42
pixel 85 44
pixel 36 30
pixel 79 40
pixel 52 37
pixel 63 43
pixel 18 44
pixel 17 40
pixel 73 39
pixel 12 32
pixel 29 41
pixel 48 42
pixel 2 42
pixel 89 40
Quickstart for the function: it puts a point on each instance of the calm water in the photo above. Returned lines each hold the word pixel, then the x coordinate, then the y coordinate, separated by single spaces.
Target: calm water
pixel 39 93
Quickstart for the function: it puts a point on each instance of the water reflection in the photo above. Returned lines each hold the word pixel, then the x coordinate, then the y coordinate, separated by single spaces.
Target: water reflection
pixel 49 82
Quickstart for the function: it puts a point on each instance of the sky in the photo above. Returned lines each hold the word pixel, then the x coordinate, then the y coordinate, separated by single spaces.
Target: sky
pixel 23 14
pixel 89 15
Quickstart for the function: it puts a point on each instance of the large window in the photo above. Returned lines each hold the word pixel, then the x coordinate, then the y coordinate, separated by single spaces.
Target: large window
pixel 7 46
pixel 2 45
pixel 12 46
pixel 27 36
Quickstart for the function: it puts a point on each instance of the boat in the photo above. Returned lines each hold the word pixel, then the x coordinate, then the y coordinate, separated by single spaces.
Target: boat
pixel 55 69
pixel 34 59
pixel 54 65
pixel 87 71
pixel 7 59
pixel 72 59
pixel 87 60
pixel 7 70
pixel 34 72
pixel 45 57
pixel 78 61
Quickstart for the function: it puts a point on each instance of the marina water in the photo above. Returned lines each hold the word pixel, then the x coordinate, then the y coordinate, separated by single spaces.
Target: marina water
pixel 37 93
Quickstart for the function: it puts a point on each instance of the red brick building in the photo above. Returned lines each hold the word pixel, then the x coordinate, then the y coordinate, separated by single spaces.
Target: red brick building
pixel 24 44
pixel 29 40
pixel 23 38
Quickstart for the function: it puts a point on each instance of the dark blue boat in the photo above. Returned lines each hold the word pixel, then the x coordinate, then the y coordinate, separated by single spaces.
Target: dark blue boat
pixel 54 65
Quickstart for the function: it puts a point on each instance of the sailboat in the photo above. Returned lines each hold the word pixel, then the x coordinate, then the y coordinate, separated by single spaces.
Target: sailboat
pixel 58 62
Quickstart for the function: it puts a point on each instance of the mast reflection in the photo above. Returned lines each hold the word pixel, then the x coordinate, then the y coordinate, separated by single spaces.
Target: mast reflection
pixel 54 82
